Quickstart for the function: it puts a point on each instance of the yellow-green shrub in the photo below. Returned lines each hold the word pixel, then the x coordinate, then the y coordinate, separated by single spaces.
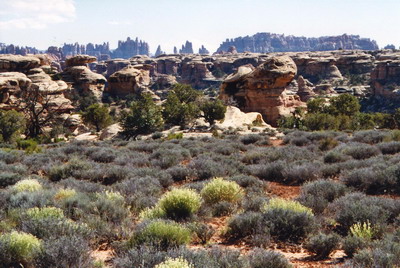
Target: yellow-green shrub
pixel 219 190
pixel 27 185
pixel 279 203
pixel 21 247
pixel 174 263
pixel 180 203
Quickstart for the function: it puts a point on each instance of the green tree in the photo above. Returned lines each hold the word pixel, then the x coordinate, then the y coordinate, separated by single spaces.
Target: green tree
pixel 316 106
pixel 143 118
pixel 12 123
pixel 320 122
pixel 345 104
pixel 181 107
pixel 213 110
pixel 97 115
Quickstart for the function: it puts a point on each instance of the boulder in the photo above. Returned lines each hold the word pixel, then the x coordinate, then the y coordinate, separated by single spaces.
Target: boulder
pixel 43 82
pixel 110 132
pixel 234 118
pixel 264 89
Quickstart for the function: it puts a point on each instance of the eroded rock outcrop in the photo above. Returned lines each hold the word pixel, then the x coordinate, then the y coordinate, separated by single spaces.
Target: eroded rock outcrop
pixel 81 78
pixel 129 80
pixel 263 90
pixel 385 78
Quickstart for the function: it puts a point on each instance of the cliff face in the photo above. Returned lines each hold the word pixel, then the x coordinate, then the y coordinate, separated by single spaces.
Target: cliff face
pixel 268 42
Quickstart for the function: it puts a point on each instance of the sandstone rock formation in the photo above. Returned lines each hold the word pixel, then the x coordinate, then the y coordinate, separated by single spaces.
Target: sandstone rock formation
pixel 129 80
pixel 269 42
pixel 305 89
pixel 187 48
pixel 385 78
pixel 264 89
pixel 81 78
pixel 18 63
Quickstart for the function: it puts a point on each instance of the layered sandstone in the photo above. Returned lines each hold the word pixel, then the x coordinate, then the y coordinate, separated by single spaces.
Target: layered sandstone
pixel 263 89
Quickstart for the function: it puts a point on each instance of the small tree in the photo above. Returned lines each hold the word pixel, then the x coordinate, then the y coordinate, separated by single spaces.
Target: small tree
pixel 12 123
pixel 98 116
pixel 213 110
pixel 316 106
pixel 345 104
pixel 181 107
pixel 144 117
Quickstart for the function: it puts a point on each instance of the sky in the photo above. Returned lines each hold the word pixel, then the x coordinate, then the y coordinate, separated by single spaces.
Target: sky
pixel 169 23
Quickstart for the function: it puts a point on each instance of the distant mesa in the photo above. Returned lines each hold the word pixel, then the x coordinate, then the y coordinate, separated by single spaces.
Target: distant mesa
pixel 270 42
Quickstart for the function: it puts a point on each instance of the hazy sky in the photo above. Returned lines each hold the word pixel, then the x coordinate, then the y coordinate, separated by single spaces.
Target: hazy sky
pixel 42 23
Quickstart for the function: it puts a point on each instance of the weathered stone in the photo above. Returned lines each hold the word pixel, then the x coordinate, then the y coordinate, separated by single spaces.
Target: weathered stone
pixel 305 90
pixel 18 63
pixel 264 89
pixel 80 60
pixel 129 80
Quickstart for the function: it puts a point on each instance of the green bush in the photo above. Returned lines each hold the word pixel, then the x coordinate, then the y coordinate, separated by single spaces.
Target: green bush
pixel 18 248
pixel 322 245
pixel 161 234
pixel 279 203
pixel 143 118
pixel 180 203
pixel 12 124
pixel 27 185
pixel 174 263
pixel 213 110
pixel 219 190
pixel 97 115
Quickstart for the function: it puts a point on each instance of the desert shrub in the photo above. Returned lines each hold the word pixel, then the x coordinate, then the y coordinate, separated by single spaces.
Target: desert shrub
pixel 37 221
pixel 110 206
pixel 97 115
pixel 219 190
pixel 64 194
pixel 203 232
pixel 251 138
pixel 330 170
pixel 8 178
pixel 18 248
pixel 392 147
pixel 206 168
pixel 174 263
pixel 248 182
pixel 180 203
pixel 28 199
pixel 103 155
pixel 71 169
pixel 369 136
pixel 300 173
pixel 356 207
pixel 254 202
pixel 335 157
pixel 328 143
pixel 10 157
pixel 166 158
pixel 179 172
pixel 352 244
pixel 65 251
pixel 372 180
pixel 288 220
pixel 318 194
pixel 261 258
pixel 27 185
pixel 223 208
pixel 322 245
pixel 360 151
pixel 270 172
pixel 161 234
pixel 246 224
pixel 385 256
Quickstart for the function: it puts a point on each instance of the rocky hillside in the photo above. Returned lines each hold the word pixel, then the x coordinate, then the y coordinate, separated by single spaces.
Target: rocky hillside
pixel 269 42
